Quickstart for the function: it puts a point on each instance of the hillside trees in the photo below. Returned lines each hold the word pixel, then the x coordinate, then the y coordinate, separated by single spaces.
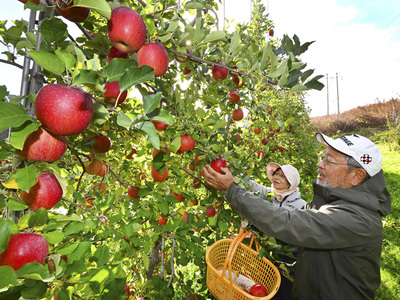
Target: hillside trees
pixel 100 238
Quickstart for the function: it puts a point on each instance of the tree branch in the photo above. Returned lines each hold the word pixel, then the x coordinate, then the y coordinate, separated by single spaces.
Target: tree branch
pixel 85 209
pixel 11 63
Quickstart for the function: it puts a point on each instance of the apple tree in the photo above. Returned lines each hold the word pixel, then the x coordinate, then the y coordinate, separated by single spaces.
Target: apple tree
pixel 124 103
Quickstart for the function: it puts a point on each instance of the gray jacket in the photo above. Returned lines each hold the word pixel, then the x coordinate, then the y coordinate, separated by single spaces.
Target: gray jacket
pixel 339 234
pixel 291 201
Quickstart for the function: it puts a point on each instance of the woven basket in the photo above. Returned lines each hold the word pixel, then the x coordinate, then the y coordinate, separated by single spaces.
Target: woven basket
pixel 232 255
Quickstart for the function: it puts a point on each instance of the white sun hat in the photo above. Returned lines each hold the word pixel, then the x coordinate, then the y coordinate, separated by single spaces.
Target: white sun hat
pixel 365 152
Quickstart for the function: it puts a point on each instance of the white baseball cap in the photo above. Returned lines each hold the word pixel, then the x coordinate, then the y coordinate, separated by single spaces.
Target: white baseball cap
pixel 365 152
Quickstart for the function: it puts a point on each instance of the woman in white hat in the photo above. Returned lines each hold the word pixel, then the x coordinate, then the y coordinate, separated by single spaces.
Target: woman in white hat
pixel 285 180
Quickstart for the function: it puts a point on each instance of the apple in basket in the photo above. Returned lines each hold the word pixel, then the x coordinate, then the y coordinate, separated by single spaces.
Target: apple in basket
pixel 246 290
pixel 258 290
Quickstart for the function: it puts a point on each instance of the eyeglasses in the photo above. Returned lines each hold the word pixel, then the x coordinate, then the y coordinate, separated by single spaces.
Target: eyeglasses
pixel 327 161
pixel 280 174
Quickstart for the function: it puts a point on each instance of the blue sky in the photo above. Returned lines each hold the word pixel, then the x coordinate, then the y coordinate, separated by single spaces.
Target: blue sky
pixel 358 39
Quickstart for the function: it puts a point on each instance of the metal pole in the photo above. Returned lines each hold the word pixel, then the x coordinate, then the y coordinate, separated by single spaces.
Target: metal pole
pixel 327 94
pixel 27 61
pixel 337 92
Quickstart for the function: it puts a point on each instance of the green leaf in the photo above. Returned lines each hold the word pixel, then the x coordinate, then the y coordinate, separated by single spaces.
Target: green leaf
pixel 194 5
pixel 298 88
pixel 34 271
pixel 86 77
pixel 116 68
pixel 135 75
pixel 35 290
pixel 25 177
pixel 223 225
pixel 102 255
pixel 48 61
pixel 54 30
pixel 100 114
pixel 12 115
pixel 16 205
pixel 67 57
pixel 123 120
pixel 20 134
pixel 151 102
pixel 5 232
pixel 8 277
pixel 67 249
pixel 163 206
pixel 162 116
pixel 214 36
pixel 80 251
pixel 151 132
pixel 54 237
pixel 38 218
pixel 101 6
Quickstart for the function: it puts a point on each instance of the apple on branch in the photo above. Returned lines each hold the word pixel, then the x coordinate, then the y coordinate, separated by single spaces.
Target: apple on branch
pixel 45 193
pixel 219 73
pixel 210 211
pixel 187 143
pixel 155 56
pixel 237 114
pixel 217 164
pixel 115 53
pixel 158 176
pixel 23 248
pixel 77 14
pixel 112 93
pixel 133 192
pixel 233 96
pixel 63 110
pixel 126 29
pixel 102 144
pixel 42 145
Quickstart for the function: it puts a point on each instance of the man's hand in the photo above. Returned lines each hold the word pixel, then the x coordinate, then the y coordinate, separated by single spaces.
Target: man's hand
pixel 219 181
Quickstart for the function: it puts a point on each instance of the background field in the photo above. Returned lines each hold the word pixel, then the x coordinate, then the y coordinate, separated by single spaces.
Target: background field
pixel 380 123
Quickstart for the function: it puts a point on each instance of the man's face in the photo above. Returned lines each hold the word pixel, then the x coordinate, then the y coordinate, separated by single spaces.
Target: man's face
pixel 331 174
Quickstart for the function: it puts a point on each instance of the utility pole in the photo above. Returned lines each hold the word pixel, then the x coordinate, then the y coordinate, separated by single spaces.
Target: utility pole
pixel 337 92
pixel 327 94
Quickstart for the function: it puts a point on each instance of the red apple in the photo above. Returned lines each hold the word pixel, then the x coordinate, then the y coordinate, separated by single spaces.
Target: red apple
pixel 159 126
pixel 102 144
pixel 237 114
pixel 75 14
pixel 88 202
pixel 271 32
pixel 112 93
pixel 257 130
pixel 196 184
pixel 210 211
pixel 281 149
pixel 157 176
pixel 271 134
pixel 184 217
pixel 94 167
pixel 238 138
pixel 130 155
pixel 258 290
pixel 34 1
pixel 104 170
pixel 217 164
pixel 178 196
pixel 63 110
pixel 233 96
pixel 155 56
pixel 127 289
pixel 186 71
pixel 260 153
pixel 42 145
pixel 45 193
pixel 126 29
pixel 23 248
pixel 115 53
pixel 264 141
pixel 219 73
pixel 133 192
pixel 181 60
pixel 162 221
pixel 187 143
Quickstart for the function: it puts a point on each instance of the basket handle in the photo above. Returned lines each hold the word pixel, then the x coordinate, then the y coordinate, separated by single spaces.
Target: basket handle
pixel 232 249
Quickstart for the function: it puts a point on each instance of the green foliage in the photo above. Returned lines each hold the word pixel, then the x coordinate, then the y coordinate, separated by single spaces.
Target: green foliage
pixel 101 239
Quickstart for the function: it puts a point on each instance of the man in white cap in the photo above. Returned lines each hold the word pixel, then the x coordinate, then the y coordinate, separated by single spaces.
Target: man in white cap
pixel 339 232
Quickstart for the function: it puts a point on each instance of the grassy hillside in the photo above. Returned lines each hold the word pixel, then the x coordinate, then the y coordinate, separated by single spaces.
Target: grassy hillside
pixel 381 123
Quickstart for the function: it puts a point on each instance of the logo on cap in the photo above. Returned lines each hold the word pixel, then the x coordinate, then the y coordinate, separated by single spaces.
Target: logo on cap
pixel 366 159
pixel 346 141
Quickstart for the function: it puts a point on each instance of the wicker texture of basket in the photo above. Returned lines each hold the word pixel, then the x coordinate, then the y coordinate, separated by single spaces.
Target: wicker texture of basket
pixel 232 255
